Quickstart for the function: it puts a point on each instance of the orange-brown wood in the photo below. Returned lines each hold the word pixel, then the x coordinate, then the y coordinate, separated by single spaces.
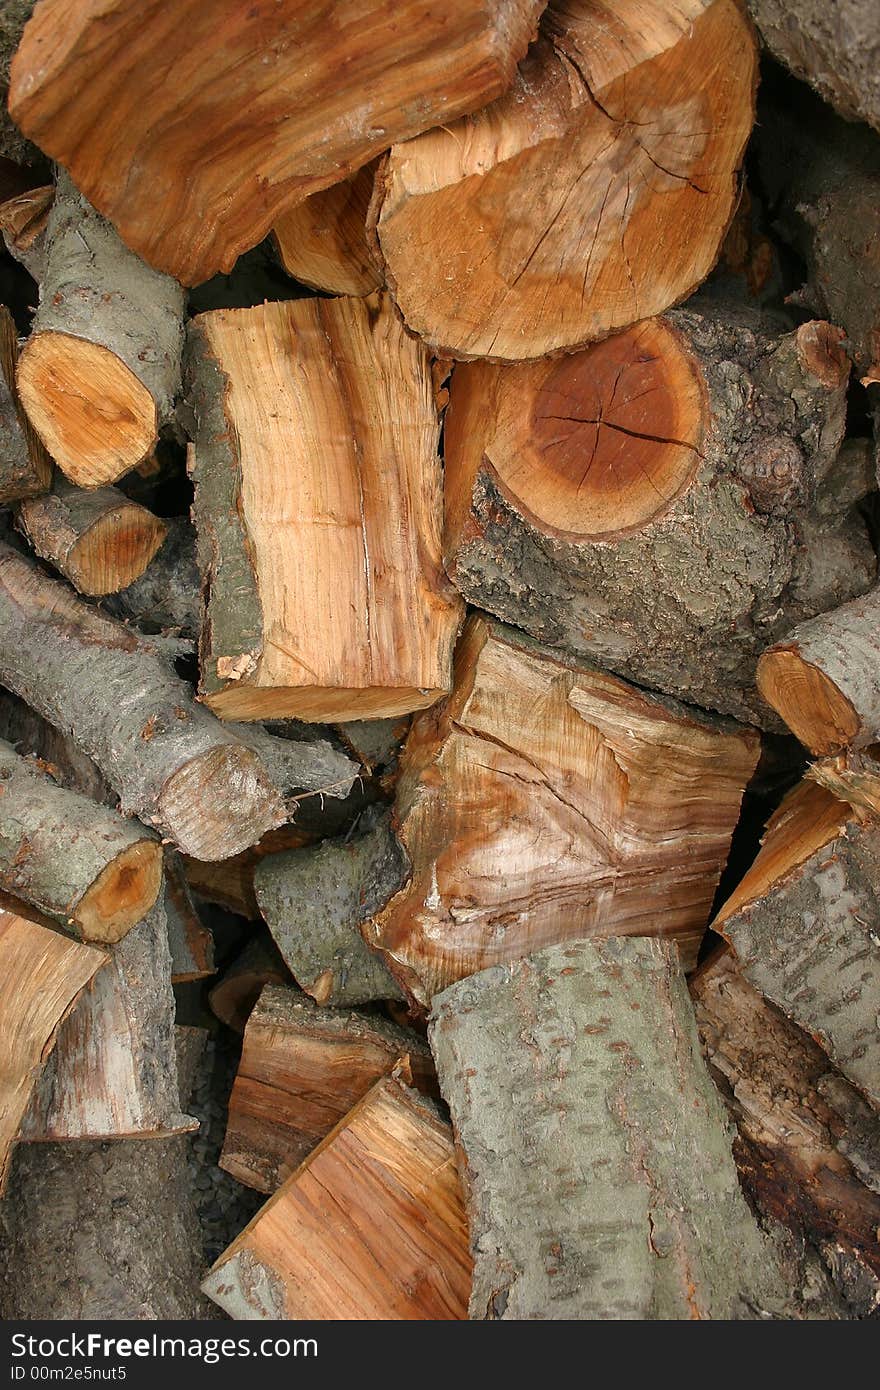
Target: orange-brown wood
pixel 323 241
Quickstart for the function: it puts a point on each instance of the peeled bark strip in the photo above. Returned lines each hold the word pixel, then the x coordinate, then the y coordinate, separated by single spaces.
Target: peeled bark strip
pixel 322 242
pixel 25 467
pixel 824 679
pixel 370 1228
pixel 545 801
pixel 167 594
pixel 113 1072
pixel 808 1149
pixel 626 129
pixel 99 540
pixel 314 899
pixel 170 760
pixel 101 369
pixel 836 48
pixel 94 872
pixel 189 940
pixel 260 964
pixel 302 1069
pixel 41 977
pixel 595 1153
pixel 650 503
pixel 318 492
pixel 195 163
pixel 805 926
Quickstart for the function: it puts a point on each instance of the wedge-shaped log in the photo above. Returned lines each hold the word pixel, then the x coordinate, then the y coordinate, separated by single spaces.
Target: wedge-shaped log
pixel 302 1069
pixel 192 146
pixel 25 467
pixel 804 924
pixel 546 801
pixel 318 492
pixel 371 1226
pixel 323 241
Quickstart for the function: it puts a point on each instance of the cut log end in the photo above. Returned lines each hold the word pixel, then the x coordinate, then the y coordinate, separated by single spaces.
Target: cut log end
pixel 122 894
pixel 94 416
pixel 318 704
pixel 204 827
pixel 808 700
pixel 116 550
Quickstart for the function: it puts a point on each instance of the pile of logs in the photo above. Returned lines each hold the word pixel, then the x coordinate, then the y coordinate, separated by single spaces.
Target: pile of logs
pixel 439 660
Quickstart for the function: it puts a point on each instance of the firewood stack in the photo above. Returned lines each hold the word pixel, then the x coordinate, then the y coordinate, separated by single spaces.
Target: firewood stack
pixel 440 662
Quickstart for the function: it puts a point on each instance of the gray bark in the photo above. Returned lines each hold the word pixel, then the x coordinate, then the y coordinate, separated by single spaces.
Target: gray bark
pixel 835 47
pixel 189 940
pixel 167 593
pixel 34 737
pixel 25 468
pixel 297 765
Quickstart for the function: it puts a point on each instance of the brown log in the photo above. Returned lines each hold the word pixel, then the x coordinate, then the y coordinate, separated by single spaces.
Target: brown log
pixel 626 130
pixel 189 940
pixel 25 467
pixel 836 48
pixel 370 1227
pixel 193 147
pixel 260 964
pixel 546 801
pixel 323 243
pixel 318 490
pixel 302 1069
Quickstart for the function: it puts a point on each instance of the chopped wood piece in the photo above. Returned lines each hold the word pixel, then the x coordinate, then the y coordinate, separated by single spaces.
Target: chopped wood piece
pixel 166 595
pixel 318 492
pixel 323 241
pixel 805 926
pixel 302 1069
pixel 232 999
pixel 546 801
pixel 370 1228
pixel 99 540
pixel 824 679
pixel 808 1149
pixel 189 940
pixel 649 503
pixel 23 222
pixel 595 193
pixel 113 1072
pixel 594 1151
pixel 836 48
pixel 230 883
pixel 314 899
pixel 25 467
pixel 193 130
pixel 41 977
pixel 101 369
pixel 87 867
pixel 853 776
pixel 169 759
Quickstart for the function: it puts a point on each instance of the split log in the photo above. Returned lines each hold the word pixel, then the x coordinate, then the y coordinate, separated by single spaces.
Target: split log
pixel 99 540
pixel 101 369
pixel 804 924
pixel 322 242
pixel 25 467
pixel 545 801
pixel 808 1149
pixel 302 1069
pixel 348 527
pixel 89 869
pixel 627 131
pixel 607 1190
pixel 260 964
pixel 42 975
pixel 314 900
pixel 370 1228
pixel 23 222
pixel 193 148
pixel 166 596
pixel 836 48
pixel 170 760
pixel 189 940
pixel 646 503
pixel 229 883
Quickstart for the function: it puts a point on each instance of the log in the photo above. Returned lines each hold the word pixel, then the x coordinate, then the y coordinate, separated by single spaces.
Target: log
pixel 101 369
pixel 23 222
pixel 808 1147
pixel 98 539
pixel 318 489
pixel 627 131
pixel 546 801
pixel 371 1227
pixel 313 901
pixel 43 974
pixel 646 503
pixel 193 147
pixel 302 1069
pixel 322 242
pixel 836 48
pixel 51 750
pixel 189 940
pixel 25 467
pixel 89 869
pixel 374 742
pixel 234 996
pixel 229 883
pixel 171 762
pixel 607 1190
pixel 298 766
pixel 166 595
pixel 804 924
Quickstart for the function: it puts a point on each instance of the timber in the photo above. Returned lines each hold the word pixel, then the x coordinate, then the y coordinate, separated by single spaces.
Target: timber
pixel 260 964
pixel 23 222
pixel 191 943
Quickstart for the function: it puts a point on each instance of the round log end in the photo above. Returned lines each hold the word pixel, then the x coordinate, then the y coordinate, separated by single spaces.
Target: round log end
pixel 122 894
pixel 219 803
pixel 116 550
pixel 814 709
pixel 821 353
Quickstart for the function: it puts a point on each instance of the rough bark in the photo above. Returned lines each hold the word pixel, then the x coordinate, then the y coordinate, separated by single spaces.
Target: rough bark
pixel 166 596
pixel 318 491
pixel 101 369
pixel 313 900
pixel 195 165
pixel 260 964
pixel 804 924
pixel 302 1069
pixel 298 766
pixel 230 883
pixel 168 758
pixel 854 777
pixel 189 940
pixel 23 222
pixel 374 742
pixel 836 48
pixel 546 801
pixel 25 467
pixel 14 15
pixel 323 242
pixel 85 866
pixel 534 225
pixel 371 1227
pixel 650 502
pixel 594 1151
pixel 52 750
